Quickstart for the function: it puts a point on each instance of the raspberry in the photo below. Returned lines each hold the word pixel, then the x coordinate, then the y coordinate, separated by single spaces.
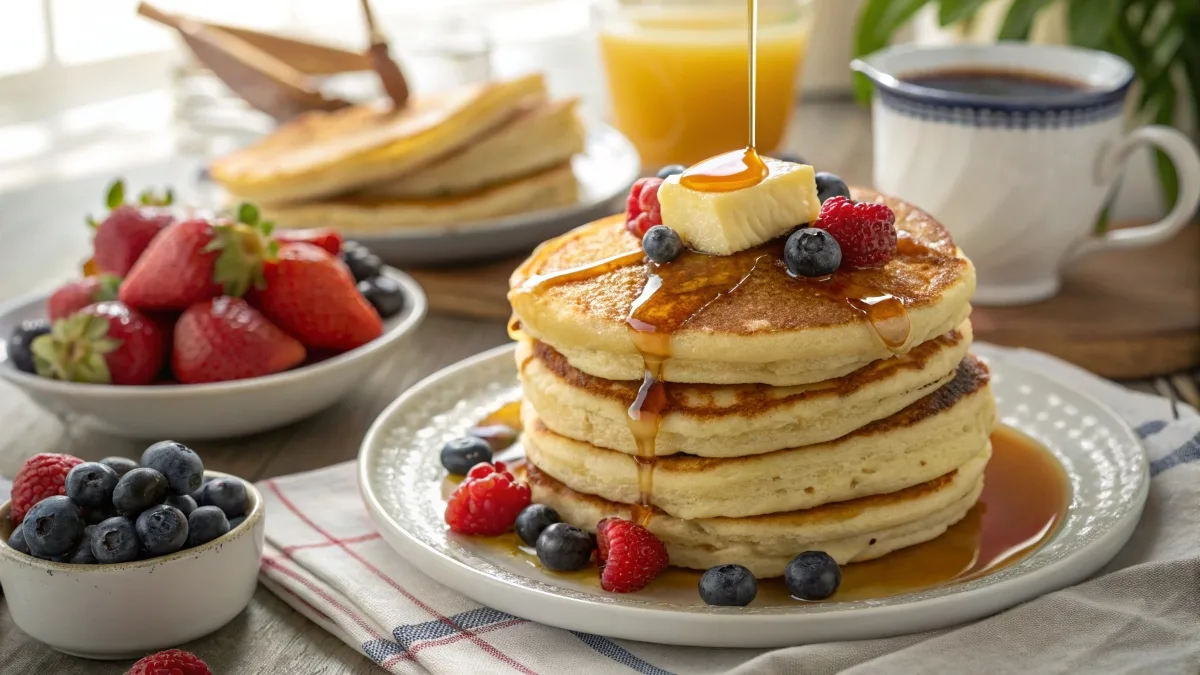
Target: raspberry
pixel 43 475
pixel 630 556
pixel 170 662
pixel 865 231
pixel 642 210
pixel 487 502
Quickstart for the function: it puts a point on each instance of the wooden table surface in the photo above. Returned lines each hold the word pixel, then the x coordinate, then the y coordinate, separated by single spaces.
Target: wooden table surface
pixel 46 225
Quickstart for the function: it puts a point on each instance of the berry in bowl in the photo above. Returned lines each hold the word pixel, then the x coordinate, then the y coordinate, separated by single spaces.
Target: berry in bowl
pixel 206 326
pixel 85 545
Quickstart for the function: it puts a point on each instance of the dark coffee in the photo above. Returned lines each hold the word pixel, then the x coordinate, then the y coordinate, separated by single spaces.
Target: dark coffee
pixel 999 83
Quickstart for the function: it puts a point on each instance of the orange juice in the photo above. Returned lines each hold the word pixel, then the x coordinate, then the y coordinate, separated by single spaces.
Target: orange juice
pixel 678 75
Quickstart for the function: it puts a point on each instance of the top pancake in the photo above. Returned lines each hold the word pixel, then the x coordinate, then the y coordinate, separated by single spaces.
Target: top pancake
pixel 739 318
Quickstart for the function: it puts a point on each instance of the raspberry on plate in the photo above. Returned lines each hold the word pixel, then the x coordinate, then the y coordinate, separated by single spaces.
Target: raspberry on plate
pixel 865 231
pixel 630 556
pixel 170 662
pixel 487 502
pixel 43 475
pixel 642 210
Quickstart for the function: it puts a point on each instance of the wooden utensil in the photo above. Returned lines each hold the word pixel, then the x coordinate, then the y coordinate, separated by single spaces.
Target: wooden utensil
pixel 264 81
pixel 390 75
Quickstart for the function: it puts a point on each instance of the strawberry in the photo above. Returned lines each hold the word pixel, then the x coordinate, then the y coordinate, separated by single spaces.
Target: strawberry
pixel 127 230
pixel 227 339
pixel 43 475
pixel 487 501
pixel 312 295
pixel 325 237
pixel 75 295
pixel 105 343
pixel 170 662
pixel 630 556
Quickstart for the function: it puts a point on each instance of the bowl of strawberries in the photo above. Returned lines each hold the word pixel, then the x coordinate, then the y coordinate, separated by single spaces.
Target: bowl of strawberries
pixel 206 326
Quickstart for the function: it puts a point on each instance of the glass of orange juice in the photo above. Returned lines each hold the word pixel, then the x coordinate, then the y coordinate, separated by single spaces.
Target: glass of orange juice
pixel 678 73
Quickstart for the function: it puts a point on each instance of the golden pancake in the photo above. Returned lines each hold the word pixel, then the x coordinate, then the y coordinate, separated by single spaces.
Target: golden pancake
pixel 734 420
pixel 328 153
pixel 739 318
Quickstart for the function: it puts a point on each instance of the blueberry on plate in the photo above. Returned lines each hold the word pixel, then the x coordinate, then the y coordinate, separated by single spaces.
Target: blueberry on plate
pixel 384 294
pixel 162 529
pixel 362 263
pixel 562 548
pixel 16 541
pixel 533 520
pixel 460 454
pixel 227 494
pixel 830 185
pixel 812 575
pixel 670 170
pixel 90 485
pixel 662 244
pixel 184 503
pixel 728 586
pixel 122 465
pixel 205 524
pixel 115 541
pixel 53 526
pixel 138 490
pixel 178 463
pixel 82 555
pixel 812 252
pixel 20 343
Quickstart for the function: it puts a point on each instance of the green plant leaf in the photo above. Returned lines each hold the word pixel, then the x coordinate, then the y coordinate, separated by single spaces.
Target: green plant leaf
pixel 1090 21
pixel 116 194
pixel 1020 18
pixel 878 21
pixel 953 11
pixel 247 213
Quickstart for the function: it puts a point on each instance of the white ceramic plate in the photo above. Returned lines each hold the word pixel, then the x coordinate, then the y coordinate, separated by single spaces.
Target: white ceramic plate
pixel 607 167
pixel 401 480
pixel 205 411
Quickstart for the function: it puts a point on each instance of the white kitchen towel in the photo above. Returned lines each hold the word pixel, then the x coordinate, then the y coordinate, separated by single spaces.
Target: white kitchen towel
pixel 1141 614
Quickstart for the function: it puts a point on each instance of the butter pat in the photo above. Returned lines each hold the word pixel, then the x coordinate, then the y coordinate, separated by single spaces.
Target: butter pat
pixel 722 223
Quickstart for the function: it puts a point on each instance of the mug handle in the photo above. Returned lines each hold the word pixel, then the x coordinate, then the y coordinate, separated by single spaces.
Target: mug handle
pixel 1183 155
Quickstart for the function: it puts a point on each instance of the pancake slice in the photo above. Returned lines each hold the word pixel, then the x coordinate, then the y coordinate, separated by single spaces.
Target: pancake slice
pixel 735 420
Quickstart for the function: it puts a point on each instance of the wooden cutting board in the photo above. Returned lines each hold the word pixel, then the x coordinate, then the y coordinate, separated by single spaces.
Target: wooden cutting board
pixel 1121 314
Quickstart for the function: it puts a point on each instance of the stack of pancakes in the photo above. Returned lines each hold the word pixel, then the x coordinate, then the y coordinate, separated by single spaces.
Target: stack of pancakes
pixel 785 422
pixel 469 154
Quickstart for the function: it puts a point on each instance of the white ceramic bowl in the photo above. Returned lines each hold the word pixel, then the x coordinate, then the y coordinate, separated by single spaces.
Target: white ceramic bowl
pixel 131 609
pixel 207 411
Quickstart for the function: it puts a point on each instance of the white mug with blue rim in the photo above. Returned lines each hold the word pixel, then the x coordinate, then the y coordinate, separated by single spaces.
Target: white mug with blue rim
pixel 1015 148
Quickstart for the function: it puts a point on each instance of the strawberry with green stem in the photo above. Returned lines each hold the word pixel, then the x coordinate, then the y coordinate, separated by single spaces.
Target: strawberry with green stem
pixel 105 343
pixel 125 233
pixel 79 293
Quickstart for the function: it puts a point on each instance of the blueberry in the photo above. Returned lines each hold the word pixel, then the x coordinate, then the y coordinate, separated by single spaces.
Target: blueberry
pixel 830 185
pixel 812 252
pixel 661 244
pixel 178 463
pixel 82 555
pixel 122 465
pixel 227 494
pixel 90 485
pixel 812 575
pixel 234 522
pixel 728 586
pixel 16 541
pixel 562 547
pixel 460 454
pixel 670 170
pixel 184 503
pixel 19 343
pixel 533 519
pixel 138 490
pixel 205 524
pixel 362 263
pixel 162 529
pixel 53 526
pixel 98 515
pixel 115 541
pixel 384 294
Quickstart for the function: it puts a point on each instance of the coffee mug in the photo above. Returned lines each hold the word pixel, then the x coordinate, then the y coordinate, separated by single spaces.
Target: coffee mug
pixel 1018 174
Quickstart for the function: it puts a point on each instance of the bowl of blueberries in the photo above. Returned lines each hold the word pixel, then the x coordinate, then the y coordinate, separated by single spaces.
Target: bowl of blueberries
pixel 118 558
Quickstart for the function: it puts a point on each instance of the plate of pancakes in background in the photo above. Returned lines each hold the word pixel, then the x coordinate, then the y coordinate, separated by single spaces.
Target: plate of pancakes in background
pixel 470 173
pixel 947 482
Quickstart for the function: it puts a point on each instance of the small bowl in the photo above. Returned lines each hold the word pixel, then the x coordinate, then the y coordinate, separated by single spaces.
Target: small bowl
pixel 131 609
pixel 217 410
